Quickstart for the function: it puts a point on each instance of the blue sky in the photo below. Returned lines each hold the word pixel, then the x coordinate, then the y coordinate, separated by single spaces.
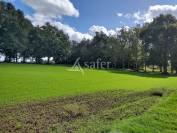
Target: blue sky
pixel 103 12
pixel 98 13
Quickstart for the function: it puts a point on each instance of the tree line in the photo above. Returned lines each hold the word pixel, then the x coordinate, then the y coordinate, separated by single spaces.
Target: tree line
pixel 153 44
pixel 19 38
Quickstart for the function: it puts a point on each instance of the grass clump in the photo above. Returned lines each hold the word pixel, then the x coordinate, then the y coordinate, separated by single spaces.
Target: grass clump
pixel 75 110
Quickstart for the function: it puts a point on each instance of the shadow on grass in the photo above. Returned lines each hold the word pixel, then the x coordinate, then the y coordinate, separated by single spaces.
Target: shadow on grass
pixel 142 74
pixel 118 71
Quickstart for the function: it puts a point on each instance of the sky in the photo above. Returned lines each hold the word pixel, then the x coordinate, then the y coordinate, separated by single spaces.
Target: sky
pixel 81 18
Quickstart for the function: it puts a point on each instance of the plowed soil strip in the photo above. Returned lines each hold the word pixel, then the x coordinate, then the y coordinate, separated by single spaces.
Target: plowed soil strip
pixel 41 117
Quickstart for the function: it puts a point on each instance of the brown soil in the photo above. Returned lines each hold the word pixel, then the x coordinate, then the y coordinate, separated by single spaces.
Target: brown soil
pixel 44 116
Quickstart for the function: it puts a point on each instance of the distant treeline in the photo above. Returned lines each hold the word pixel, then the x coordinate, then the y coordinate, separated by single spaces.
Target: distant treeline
pixel 153 44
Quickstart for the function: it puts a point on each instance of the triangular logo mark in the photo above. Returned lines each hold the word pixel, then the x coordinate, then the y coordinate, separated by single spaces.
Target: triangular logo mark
pixel 77 67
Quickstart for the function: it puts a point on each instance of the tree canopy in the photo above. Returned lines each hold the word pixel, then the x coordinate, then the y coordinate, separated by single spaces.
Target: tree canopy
pixel 153 44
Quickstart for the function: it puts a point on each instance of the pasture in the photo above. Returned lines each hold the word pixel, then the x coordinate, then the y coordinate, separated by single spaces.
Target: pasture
pixel 20 83
pixel 52 98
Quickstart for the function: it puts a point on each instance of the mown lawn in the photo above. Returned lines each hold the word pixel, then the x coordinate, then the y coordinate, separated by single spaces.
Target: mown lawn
pixel 21 82
pixel 105 101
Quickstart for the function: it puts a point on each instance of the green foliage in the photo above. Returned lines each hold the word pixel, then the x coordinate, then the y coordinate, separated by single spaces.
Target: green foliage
pixel 14 29
pixel 35 44
pixel 18 38
pixel 123 51
pixel 153 44
pixel 159 40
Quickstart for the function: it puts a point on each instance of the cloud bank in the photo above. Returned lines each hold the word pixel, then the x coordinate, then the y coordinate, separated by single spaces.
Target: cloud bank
pixel 52 11
pixel 53 8
pixel 151 13
pixel 96 28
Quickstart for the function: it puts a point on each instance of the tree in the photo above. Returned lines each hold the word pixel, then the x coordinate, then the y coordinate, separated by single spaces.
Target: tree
pixel 63 47
pixel 136 47
pixel 25 27
pixel 157 35
pixel 13 31
pixel 123 40
pixel 154 44
pixel 112 51
pixel 172 30
pixel 35 44
pixel 49 41
pixel 98 46
pixel 8 24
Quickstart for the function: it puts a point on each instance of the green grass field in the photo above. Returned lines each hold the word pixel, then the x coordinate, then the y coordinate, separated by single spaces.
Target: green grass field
pixel 21 83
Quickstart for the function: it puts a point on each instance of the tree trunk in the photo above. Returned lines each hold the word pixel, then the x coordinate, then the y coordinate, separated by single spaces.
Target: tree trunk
pixel 145 67
pixel 165 70
pixel 16 58
pixel 24 59
pixel 165 65
pixel 153 68
pixel 115 66
pixel 161 69
pixel 123 64
pixel 172 70
pixel 136 65
pixel 48 60
pixel 8 59
pixel 37 60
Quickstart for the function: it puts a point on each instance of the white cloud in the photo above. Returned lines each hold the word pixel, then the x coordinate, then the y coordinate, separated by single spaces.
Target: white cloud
pixel 53 8
pixel 51 11
pixel 119 14
pixel 73 34
pixel 112 32
pixel 126 28
pixel 118 29
pixel 151 13
pixel 39 19
pixel 128 15
pixel 156 10
pixel 96 28
pixel 138 16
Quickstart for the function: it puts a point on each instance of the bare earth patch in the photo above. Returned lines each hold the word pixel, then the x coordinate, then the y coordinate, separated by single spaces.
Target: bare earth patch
pixel 63 114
